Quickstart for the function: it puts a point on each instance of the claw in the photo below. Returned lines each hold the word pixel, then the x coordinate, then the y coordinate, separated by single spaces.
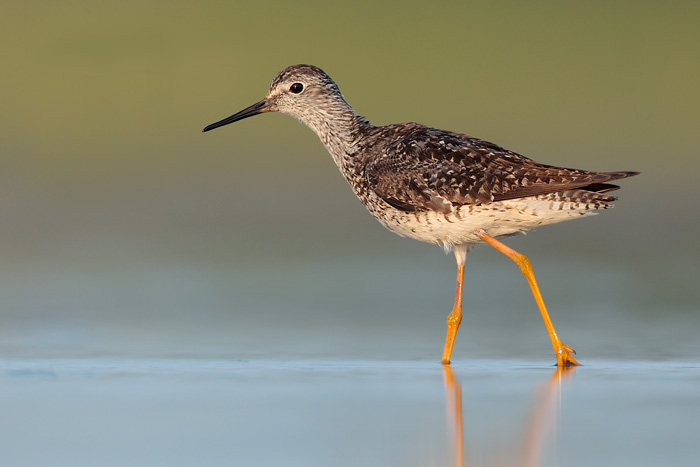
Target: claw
pixel 564 357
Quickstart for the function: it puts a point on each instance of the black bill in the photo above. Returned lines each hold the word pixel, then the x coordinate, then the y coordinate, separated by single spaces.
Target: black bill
pixel 257 108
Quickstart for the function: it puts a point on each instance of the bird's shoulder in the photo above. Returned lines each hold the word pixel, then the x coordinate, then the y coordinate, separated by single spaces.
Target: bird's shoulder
pixel 413 141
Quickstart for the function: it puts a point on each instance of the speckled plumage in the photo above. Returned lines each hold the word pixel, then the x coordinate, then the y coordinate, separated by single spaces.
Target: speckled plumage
pixel 438 186
pixel 429 184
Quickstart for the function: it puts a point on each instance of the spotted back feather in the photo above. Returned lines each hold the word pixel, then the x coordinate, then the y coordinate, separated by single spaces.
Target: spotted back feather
pixel 422 168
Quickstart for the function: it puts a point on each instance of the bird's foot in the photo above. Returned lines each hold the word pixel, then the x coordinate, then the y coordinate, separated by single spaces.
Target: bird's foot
pixel 565 356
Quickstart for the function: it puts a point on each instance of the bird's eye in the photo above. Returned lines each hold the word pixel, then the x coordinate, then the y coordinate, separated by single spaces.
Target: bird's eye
pixel 296 88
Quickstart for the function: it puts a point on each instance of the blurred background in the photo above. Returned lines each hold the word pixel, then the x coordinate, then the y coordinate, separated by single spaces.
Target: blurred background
pixel 126 231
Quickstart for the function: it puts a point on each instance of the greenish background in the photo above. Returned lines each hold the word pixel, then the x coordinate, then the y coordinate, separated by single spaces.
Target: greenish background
pixel 178 298
pixel 118 213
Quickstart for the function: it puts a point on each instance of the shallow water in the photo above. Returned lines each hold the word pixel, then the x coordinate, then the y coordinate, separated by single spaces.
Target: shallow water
pixel 335 361
pixel 344 412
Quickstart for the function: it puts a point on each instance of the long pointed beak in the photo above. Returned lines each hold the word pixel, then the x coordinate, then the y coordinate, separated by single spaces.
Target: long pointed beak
pixel 255 109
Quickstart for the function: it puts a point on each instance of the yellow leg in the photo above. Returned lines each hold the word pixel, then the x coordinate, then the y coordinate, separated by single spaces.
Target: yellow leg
pixel 454 318
pixel 563 352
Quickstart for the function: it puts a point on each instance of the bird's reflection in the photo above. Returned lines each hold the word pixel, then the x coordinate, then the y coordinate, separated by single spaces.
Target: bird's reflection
pixel 527 449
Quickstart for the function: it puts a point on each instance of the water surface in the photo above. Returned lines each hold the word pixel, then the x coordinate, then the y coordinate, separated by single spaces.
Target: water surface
pixel 344 412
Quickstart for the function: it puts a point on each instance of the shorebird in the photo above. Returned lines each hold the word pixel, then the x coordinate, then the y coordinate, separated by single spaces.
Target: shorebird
pixel 438 186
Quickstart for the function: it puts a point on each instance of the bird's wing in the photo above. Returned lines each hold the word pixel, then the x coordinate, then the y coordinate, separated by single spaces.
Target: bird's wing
pixel 428 169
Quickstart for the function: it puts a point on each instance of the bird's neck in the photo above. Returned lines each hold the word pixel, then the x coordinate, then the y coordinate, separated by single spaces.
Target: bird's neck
pixel 340 129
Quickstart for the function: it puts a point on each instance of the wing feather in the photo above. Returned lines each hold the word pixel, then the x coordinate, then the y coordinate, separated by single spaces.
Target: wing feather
pixel 423 168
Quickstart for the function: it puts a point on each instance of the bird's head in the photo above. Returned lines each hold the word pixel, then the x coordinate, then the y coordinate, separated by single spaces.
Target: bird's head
pixel 304 92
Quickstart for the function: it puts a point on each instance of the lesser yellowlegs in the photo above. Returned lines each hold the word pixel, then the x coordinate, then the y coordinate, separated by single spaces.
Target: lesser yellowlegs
pixel 438 186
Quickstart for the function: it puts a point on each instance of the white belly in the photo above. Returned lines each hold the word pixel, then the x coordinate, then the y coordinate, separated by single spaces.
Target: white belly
pixel 498 219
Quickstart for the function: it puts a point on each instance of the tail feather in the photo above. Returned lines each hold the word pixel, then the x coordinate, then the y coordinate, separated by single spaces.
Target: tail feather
pixel 600 187
pixel 606 187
